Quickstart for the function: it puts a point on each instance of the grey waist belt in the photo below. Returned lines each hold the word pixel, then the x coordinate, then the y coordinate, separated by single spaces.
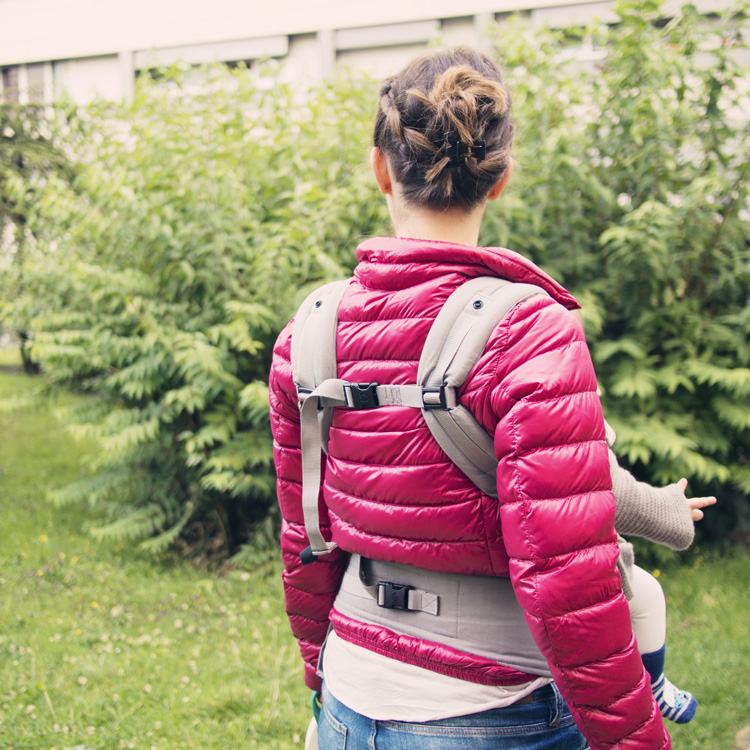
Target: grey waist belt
pixel 474 614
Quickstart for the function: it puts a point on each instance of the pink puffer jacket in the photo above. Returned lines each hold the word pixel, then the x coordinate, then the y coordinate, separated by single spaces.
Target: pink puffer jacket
pixel 390 493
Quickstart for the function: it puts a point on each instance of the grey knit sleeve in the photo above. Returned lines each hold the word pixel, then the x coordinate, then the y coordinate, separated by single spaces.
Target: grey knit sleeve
pixel 660 514
pixel 625 564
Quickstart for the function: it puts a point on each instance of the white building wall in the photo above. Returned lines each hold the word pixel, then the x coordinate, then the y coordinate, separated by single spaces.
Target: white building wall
pixel 306 60
pixel 582 14
pixel 84 78
pixel 466 29
pixel 90 47
pixel 379 62
pixel 61 29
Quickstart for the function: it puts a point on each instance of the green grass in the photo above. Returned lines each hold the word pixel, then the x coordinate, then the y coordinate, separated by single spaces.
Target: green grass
pixel 105 647
pixel 708 646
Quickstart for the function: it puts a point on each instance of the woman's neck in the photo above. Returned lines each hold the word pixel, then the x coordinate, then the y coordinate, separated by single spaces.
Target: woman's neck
pixel 453 225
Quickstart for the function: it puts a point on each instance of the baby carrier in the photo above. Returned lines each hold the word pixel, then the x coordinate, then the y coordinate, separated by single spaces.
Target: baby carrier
pixel 405 599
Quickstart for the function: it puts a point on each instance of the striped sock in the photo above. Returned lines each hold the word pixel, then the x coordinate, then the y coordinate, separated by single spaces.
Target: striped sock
pixel 676 705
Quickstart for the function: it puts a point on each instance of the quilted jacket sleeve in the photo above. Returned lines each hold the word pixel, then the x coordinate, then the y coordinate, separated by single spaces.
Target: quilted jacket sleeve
pixel 309 590
pixel 557 513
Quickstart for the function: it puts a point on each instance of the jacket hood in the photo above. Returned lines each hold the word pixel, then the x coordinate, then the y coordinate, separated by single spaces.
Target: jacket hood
pixel 399 262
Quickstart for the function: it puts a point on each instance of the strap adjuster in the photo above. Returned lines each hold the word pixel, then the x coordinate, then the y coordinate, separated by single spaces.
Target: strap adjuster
pixel 302 394
pixel 393 595
pixel 361 395
pixel 434 397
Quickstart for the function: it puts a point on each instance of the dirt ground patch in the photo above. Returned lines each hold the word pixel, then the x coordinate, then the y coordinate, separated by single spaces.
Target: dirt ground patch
pixel 742 740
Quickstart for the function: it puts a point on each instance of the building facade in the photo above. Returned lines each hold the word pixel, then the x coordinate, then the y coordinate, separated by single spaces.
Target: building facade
pixel 98 47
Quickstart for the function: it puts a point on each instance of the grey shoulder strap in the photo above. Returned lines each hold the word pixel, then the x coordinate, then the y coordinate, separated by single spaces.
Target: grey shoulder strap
pixel 314 335
pixel 314 344
pixel 313 355
pixel 454 344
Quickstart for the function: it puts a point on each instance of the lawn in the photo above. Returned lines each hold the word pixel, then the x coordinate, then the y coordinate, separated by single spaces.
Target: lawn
pixel 106 647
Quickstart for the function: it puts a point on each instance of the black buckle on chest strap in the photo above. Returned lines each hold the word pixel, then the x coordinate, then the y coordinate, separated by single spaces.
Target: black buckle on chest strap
pixel 361 395
pixel 434 397
pixel 393 595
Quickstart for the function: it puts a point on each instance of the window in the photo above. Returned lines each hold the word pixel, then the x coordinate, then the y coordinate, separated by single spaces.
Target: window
pixel 35 83
pixel 10 84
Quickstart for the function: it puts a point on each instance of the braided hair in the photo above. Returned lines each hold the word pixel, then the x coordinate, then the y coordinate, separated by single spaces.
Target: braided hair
pixel 444 124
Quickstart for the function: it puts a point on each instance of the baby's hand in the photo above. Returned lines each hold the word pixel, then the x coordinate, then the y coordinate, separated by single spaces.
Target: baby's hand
pixel 695 503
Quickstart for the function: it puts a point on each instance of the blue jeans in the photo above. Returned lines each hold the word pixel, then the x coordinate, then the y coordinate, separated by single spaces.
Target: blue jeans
pixel 542 723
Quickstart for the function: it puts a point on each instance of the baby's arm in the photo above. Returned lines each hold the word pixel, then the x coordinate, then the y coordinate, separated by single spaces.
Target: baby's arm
pixel 661 514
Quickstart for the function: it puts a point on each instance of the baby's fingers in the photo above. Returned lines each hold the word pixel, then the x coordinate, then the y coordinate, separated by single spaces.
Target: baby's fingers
pixel 695 503
pixel 700 502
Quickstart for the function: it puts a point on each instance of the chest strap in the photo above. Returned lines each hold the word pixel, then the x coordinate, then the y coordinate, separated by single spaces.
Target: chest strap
pixel 315 406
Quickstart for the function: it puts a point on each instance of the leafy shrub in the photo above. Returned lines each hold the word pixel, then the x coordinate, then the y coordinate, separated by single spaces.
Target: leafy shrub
pixel 207 205
pixel 31 153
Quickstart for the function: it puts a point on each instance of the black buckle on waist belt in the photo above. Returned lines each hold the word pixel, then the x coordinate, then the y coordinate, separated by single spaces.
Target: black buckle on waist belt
pixel 393 595
pixel 361 395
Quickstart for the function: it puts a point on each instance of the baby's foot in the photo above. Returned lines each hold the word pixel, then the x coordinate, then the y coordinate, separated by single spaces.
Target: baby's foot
pixel 676 705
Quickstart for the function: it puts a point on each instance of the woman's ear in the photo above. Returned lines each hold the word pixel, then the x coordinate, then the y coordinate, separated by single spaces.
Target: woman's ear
pixel 379 165
pixel 499 186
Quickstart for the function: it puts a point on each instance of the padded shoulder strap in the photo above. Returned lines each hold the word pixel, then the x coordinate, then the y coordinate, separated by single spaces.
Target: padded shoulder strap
pixel 314 369
pixel 454 344
pixel 314 344
pixel 314 335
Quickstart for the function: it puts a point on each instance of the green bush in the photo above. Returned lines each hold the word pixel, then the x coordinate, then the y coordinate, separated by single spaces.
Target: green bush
pixel 31 153
pixel 204 210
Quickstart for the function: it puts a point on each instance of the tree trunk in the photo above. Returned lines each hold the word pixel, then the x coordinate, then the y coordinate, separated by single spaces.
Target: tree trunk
pixel 29 366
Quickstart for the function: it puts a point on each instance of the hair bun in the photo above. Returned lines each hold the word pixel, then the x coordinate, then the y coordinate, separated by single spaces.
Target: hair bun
pixel 458 92
pixel 466 99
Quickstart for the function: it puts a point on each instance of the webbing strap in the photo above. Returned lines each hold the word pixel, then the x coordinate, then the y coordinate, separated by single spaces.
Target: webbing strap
pixel 414 396
pixel 328 394
pixel 324 398
pixel 392 595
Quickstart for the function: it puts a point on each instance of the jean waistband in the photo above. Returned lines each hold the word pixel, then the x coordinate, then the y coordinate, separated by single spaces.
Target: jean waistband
pixel 544 693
